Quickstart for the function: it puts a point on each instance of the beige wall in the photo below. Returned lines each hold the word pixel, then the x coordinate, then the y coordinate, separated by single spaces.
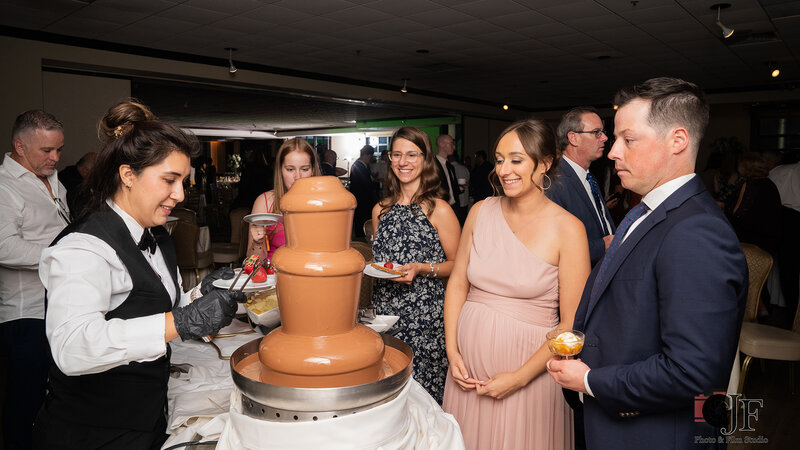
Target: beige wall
pixel 79 101
pixel 727 120
pixel 481 133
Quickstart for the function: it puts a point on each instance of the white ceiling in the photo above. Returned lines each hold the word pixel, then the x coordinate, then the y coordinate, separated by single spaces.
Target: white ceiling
pixel 533 54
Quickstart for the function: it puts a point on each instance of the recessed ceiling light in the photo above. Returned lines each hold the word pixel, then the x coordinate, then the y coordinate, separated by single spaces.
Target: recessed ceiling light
pixel 505 107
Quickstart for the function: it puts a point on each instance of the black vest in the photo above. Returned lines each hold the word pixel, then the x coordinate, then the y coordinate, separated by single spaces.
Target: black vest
pixel 133 396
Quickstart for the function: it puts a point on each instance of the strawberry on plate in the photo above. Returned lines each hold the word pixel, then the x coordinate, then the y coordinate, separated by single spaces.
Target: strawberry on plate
pixel 260 275
pixel 388 265
pixel 249 263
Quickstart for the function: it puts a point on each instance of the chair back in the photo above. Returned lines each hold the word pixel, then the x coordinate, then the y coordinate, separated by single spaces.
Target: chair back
pixel 184 236
pixel 237 215
pixel 368 231
pixel 759 264
pixel 365 298
pixel 184 215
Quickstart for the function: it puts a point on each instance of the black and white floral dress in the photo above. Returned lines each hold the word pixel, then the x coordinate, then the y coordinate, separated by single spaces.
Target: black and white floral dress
pixel 405 235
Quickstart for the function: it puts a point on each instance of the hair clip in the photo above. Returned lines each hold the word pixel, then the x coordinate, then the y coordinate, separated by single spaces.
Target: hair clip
pixel 122 129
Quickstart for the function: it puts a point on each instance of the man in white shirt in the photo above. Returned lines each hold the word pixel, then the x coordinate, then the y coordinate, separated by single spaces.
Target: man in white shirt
pixel 582 139
pixel 462 175
pixel 661 312
pixel 33 210
pixel 447 174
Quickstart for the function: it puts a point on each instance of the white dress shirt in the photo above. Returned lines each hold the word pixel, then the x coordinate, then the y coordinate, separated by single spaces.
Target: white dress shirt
pixel 787 180
pixel 29 221
pixel 85 279
pixel 653 200
pixel 450 190
pixel 581 172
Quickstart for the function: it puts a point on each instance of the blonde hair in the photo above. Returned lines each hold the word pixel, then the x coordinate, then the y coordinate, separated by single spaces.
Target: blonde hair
pixel 289 146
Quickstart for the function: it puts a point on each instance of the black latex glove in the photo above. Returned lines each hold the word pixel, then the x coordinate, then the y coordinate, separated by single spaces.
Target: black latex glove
pixel 207 314
pixel 225 273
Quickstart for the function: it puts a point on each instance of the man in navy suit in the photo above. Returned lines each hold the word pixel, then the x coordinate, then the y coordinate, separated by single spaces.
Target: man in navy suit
pixel 582 140
pixel 662 311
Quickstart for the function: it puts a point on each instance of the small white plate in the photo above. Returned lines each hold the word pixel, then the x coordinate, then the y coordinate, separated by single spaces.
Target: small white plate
pixel 252 286
pixel 382 323
pixel 263 218
pixel 376 273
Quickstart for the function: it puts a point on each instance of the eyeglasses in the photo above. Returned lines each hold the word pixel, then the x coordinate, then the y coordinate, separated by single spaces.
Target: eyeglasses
pixel 62 210
pixel 597 133
pixel 410 156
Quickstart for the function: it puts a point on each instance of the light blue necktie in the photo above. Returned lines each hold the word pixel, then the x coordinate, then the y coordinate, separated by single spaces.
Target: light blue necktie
pixel 633 215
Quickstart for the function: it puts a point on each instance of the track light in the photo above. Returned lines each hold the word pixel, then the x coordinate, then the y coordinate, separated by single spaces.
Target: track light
pixel 404 89
pixel 232 68
pixel 726 31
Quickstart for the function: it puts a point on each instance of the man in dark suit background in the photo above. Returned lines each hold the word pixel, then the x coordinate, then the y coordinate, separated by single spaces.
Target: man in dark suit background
pixel 363 188
pixel 582 140
pixel 72 177
pixel 662 311
pixel 446 145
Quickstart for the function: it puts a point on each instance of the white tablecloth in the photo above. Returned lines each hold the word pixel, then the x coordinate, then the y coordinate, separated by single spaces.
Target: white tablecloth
pixel 200 402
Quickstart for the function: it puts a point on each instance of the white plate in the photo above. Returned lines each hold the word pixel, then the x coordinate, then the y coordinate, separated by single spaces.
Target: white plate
pixel 373 272
pixel 171 219
pixel 252 286
pixel 263 218
pixel 382 323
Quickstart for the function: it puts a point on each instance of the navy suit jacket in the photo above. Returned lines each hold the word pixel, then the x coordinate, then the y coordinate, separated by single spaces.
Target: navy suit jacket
pixel 663 326
pixel 568 192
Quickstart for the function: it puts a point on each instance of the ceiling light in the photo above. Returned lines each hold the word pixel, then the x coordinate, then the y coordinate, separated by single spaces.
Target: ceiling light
pixel 775 72
pixel 505 107
pixel 404 89
pixel 231 68
pixel 616 107
pixel 726 31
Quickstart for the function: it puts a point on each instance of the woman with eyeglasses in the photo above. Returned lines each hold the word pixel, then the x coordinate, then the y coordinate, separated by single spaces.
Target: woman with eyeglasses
pixel 114 300
pixel 296 159
pixel 520 270
pixel 418 233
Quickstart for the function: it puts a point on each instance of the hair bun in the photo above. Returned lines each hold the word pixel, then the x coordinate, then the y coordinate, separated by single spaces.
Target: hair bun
pixel 120 119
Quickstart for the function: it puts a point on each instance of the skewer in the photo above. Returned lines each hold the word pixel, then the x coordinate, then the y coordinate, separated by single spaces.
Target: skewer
pixel 256 266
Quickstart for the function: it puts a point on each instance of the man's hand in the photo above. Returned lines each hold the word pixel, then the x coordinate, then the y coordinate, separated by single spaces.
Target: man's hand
pixel 568 373
pixel 607 240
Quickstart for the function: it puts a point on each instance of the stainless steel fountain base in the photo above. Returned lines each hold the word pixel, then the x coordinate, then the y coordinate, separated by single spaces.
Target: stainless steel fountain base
pixel 286 404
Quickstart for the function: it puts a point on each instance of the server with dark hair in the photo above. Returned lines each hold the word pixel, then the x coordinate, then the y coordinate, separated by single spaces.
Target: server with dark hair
pixel 113 295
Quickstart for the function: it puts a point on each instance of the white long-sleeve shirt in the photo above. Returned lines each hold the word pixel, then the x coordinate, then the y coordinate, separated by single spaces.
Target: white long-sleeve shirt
pixel 29 221
pixel 85 279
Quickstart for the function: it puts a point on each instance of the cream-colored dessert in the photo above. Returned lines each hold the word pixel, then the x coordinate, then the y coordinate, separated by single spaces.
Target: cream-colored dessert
pixel 565 343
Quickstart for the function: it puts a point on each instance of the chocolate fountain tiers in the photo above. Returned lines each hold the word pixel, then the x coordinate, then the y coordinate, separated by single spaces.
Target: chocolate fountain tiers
pixel 319 363
pixel 319 277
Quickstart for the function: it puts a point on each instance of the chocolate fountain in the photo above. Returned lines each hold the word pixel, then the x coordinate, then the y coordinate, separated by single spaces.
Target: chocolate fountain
pixel 320 363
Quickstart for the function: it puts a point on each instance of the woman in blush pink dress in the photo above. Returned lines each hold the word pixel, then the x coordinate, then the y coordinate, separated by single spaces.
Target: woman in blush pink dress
pixel 506 291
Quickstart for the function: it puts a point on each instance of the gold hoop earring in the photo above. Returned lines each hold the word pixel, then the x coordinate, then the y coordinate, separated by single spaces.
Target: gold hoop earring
pixel 549 182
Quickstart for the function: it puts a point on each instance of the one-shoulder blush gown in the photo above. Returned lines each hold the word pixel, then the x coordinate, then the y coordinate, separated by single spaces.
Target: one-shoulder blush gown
pixel 511 305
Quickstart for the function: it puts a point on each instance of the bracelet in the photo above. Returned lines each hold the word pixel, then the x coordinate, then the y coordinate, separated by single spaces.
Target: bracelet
pixel 437 270
pixel 430 274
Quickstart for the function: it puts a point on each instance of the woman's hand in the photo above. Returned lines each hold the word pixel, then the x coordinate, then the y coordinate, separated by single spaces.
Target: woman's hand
pixel 500 386
pixel 257 233
pixel 458 370
pixel 411 271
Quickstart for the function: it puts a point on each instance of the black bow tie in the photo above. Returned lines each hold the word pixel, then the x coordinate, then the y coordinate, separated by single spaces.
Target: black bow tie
pixel 147 242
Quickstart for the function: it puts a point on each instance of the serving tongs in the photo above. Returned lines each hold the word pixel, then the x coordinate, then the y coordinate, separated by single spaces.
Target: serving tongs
pixel 257 265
